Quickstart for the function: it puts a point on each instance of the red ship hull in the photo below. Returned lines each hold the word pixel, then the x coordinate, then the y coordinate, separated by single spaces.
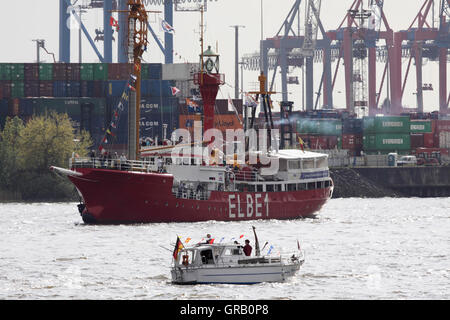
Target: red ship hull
pixel 112 196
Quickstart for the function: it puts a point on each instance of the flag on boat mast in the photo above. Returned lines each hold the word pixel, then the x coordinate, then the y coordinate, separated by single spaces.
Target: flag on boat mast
pixel 178 247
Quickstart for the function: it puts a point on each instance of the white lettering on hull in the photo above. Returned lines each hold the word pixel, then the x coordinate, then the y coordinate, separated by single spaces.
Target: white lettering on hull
pixel 254 206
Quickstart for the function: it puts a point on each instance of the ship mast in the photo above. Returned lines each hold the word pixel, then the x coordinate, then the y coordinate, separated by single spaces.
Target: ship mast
pixel 137 45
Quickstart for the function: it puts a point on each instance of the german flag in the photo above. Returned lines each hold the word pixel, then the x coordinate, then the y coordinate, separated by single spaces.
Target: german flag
pixel 178 247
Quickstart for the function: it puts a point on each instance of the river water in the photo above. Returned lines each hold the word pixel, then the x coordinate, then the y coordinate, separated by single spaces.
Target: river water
pixel 355 249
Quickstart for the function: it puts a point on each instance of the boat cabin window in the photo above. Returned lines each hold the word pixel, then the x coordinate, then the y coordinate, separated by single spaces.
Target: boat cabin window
pixel 207 256
pixel 232 252
pixel 308 164
pixel 259 188
pixel 270 188
pixel 311 186
pixel 301 186
pixel 292 187
pixel 321 162
pixel 186 257
pixel 294 164
pixel 251 188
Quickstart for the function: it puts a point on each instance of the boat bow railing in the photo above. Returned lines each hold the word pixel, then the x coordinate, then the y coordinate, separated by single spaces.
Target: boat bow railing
pixel 114 164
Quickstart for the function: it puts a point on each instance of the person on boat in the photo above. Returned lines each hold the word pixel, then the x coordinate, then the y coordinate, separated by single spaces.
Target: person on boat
pixel 247 248
pixel 208 239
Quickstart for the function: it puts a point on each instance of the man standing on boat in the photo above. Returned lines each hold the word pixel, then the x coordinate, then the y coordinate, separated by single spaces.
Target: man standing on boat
pixel 247 248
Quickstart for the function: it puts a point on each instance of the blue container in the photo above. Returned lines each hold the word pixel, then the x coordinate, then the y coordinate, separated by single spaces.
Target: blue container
pixel 3 107
pixel 73 89
pixel 87 88
pixel 155 71
pixel 156 88
pixel 115 88
pixel 59 89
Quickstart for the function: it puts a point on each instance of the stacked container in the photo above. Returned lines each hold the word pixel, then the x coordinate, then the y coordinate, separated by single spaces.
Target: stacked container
pixel 352 136
pixel 320 133
pixel 386 134
pixel 422 134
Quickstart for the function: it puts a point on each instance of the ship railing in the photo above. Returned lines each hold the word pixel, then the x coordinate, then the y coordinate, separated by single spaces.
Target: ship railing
pixel 249 176
pixel 115 164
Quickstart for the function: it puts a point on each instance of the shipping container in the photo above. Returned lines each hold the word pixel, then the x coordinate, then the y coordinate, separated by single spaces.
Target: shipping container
pixel 28 107
pixel 5 71
pixel 328 127
pixel 73 72
pixel 417 140
pixel 6 89
pixel 352 141
pixel 444 140
pixel 71 106
pixel 59 72
pixel 154 71
pixel 159 104
pixel 17 89
pixel 179 71
pixel 119 71
pixel 87 71
pixel 46 71
pixel 428 140
pixel 387 142
pixel 31 88
pixel 3 107
pixel 17 72
pixel 421 126
pixel 99 89
pixel 156 88
pixel 384 125
pixel 46 88
pixel 31 71
pixel 59 89
pixel 100 71
pixel 86 88
pixel 442 125
pixel 73 89
pixel 352 126
pixel 115 88
pixel 13 107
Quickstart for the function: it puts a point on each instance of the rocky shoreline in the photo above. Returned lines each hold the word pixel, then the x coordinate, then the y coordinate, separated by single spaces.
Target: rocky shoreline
pixel 350 184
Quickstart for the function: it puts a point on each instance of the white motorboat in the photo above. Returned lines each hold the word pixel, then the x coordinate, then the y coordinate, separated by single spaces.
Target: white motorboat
pixel 227 263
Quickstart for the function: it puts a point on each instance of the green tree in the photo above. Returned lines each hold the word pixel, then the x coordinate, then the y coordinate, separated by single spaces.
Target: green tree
pixel 45 141
pixel 9 146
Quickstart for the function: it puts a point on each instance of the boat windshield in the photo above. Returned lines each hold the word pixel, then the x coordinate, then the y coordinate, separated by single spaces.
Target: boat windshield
pixel 207 256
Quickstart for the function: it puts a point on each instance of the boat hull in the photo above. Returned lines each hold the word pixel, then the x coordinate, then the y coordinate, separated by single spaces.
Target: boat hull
pixel 114 196
pixel 234 275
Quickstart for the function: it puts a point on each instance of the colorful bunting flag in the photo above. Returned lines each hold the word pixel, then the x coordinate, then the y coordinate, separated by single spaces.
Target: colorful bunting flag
pixel 175 91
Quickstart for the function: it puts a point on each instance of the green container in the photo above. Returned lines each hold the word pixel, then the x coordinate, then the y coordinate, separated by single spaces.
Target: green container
pixel 5 71
pixel 71 106
pixel 87 71
pixel 376 125
pixel 46 71
pixel 17 71
pixel 325 127
pixel 387 142
pixel 17 89
pixel 100 71
pixel 421 126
